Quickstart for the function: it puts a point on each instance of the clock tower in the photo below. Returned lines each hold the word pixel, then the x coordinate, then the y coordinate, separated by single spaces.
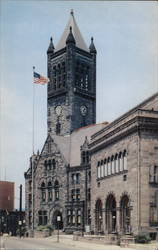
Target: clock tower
pixel 72 88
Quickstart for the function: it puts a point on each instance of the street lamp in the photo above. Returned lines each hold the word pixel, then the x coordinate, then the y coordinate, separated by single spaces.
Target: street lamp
pixel 58 220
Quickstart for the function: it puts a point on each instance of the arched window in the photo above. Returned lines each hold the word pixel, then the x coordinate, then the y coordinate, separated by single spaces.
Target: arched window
pixel 125 214
pixel 125 160
pixel 112 165
pixel 105 167
pixel 110 213
pixel 116 163
pixel 109 166
pixel 102 169
pixel 56 188
pixel 98 170
pixel 120 161
pixel 98 215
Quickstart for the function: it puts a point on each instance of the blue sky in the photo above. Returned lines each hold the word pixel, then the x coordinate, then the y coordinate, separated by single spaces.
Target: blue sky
pixel 126 38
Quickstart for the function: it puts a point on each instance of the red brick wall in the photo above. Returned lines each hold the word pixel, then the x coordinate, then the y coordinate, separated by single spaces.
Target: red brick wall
pixel 7 195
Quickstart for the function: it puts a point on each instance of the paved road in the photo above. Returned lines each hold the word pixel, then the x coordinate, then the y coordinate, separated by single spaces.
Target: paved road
pixel 10 243
pixel 66 243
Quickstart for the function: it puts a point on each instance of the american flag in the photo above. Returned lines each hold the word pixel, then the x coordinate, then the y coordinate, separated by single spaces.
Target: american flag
pixel 38 79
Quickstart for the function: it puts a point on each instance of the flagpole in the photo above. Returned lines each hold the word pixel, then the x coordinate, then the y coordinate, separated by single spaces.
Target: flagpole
pixel 32 160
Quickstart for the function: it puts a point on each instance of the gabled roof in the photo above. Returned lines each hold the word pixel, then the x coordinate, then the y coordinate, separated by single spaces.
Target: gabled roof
pixel 80 43
pixel 69 145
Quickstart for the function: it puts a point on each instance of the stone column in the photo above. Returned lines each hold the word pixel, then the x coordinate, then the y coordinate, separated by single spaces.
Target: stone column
pixel 118 226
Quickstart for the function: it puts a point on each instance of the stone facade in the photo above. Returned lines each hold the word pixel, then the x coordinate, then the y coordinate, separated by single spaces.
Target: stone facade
pixel 102 177
pixel 124 184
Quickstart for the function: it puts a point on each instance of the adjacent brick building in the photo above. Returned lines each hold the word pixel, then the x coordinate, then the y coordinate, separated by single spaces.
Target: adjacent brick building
pixel 97 176
pixel 7 195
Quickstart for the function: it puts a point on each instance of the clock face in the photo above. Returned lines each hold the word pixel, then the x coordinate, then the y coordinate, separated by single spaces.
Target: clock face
pixel 83 110
pixel 58 110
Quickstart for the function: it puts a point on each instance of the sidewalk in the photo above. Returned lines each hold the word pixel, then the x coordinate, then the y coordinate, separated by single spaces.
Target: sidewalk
pixel 87 245
pixel 84 244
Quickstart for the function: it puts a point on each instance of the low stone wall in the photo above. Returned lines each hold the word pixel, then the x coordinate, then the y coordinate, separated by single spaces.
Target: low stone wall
pixel 42 234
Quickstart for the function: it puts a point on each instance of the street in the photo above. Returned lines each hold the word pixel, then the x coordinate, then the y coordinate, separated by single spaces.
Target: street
pixel 66 243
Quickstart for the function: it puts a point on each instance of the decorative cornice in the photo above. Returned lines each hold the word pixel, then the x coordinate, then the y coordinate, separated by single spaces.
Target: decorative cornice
pixel 132 126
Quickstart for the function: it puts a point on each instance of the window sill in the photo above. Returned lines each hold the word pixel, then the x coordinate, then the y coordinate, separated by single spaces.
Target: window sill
pixel 112 175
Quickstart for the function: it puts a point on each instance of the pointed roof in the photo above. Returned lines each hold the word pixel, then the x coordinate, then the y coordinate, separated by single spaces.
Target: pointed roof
pixel 80 43
pixel 92 47
pixel 51 46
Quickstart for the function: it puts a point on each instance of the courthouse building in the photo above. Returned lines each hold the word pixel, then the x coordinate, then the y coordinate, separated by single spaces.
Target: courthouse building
pixel 101 177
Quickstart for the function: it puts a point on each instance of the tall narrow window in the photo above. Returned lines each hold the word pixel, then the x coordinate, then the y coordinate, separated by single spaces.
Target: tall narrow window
pixel 73 217
pixel 116 164
pixel 78 216
pixel 109 166
pixel 125 160
pixel 49 164
pixel 77 178
pixel 54 163
pixel 73 194
pixel 120 161
pixel 105 167
pixel 78 194
pixel 58 128
pixel 43 192
pixel 49 191
pixel 102 169
pixel 56 188
pixel 69 216
pixel 98 169
pixel 83 157
pixel 112 165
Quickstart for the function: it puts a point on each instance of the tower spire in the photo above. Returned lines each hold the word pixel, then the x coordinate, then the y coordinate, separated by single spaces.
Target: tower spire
pixel 92 47
pixel 70 38
pixel 80 43
pixel 51 46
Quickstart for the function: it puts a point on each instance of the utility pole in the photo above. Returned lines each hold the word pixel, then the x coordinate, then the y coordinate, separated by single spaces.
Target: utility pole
pixel 20 211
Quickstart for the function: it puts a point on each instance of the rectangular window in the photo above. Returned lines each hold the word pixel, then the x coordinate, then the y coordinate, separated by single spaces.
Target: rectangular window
pixel 73 217
pixel 78 178
pixel 102 171
pixel 73 194
pixel 116 165
pixel 112 166
pixel 78 194
pixel 69 217
pixel 98 171
pixel 121 163
pixel 43 196
pixel 89 176
pixel 125 162
pixel 109 168
pixel 105 169
pixel 49 195
pixel 42 217
pixel 73 178
pixel 78 216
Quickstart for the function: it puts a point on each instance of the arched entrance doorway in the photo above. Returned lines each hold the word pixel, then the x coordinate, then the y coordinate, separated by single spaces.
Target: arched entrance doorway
pixel 125 214
pixel 98 216
pixel 111 214
pixel 57 220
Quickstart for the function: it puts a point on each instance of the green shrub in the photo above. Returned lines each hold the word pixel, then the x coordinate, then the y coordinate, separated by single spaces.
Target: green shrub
pixel 142 238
